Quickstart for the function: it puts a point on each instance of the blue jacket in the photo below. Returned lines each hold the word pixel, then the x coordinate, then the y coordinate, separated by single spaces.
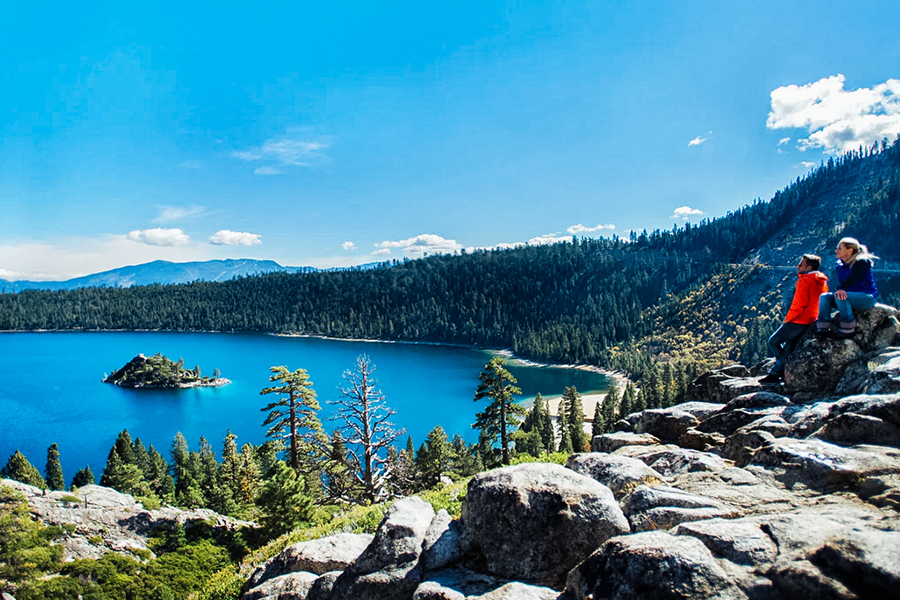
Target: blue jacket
pixel 857 277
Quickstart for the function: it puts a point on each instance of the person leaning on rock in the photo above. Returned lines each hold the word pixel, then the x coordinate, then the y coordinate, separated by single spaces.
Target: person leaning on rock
pixel 856 288
pixel 811 284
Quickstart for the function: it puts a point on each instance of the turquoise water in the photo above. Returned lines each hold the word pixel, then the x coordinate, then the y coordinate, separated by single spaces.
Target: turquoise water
pixel 51 389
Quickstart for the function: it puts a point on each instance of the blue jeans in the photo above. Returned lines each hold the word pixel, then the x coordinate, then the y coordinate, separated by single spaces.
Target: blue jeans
pixel 782 343
pixel 858 300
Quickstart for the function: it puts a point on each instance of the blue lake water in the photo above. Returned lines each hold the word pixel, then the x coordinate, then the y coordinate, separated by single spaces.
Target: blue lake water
pixel 51 389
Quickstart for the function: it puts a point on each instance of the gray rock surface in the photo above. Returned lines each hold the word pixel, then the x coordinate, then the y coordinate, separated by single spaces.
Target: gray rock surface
pixel 667 424
pixel 108 521
pixel 333 553
pixel 610 442
pixel 665 507
pixel 621 474
pixel 534 522
pixel 653 564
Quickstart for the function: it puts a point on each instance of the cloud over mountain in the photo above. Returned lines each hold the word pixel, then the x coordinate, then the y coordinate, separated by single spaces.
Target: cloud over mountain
pixel 225 237
pixel 837 120
pixel 159 237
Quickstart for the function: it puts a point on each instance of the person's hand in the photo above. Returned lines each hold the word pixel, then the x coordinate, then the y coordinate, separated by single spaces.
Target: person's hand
pixel 840 295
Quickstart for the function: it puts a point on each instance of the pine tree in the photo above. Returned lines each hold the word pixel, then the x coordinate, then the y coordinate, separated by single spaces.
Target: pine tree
pixel 339 482
pixel 575 419
pixel 562 428
pixel 598 427
pixel 53 471
pixel 19 469
pixel 295 417
pixel 283 502
pixel 498 386
pixel 462 457
pixel 433 459
pixel 627 405
pixel 610 408
pixel 83 477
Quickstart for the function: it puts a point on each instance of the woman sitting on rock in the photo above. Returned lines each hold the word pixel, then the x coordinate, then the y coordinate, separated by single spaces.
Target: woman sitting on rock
pixel 856 288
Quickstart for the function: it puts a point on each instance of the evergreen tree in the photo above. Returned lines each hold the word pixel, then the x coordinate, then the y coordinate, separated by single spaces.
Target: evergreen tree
pixel 187 489
pixel 253 461
pixel 598 426
pixel 53 471
pixel 626 406
pixel 487 456
pixel 462 457
pixel 19 469
pixel 365 417
pixel 284 505
pixel 158 477
pixel 26 548
pixel 575 419
pixel 230 470
pixel 498 387
pixel 295 417
pixel 83 477
pixel 667 385
pixel 610 407
pixel 339 481
pixel 562 428
pixel 433 459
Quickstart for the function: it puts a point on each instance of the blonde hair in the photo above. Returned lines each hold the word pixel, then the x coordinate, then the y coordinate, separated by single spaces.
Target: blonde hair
pixel 859 251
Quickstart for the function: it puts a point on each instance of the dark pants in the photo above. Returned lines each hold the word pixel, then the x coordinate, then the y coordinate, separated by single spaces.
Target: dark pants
pixel 782 343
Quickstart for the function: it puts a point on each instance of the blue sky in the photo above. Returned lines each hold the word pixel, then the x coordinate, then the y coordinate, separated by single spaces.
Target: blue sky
pixel 341 133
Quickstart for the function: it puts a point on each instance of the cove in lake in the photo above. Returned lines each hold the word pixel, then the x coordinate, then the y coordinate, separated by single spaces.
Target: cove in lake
pixel 51 389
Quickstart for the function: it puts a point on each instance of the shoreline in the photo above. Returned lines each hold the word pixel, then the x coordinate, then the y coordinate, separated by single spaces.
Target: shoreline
pixel 617 376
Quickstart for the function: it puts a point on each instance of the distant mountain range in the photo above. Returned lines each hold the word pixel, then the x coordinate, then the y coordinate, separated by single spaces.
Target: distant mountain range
pixel 159 271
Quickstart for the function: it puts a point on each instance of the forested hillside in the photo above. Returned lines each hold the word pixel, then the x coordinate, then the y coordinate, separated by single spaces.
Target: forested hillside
pixel 614 302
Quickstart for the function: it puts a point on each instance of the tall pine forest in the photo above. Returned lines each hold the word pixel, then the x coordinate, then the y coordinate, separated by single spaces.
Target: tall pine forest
pixel 709 292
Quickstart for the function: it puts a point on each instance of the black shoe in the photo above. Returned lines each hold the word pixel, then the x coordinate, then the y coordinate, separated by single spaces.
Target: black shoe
pixel 823 334
pixel 843 335
pixel 771 378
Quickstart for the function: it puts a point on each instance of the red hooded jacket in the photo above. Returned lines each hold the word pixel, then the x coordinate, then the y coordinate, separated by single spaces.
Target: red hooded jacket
pixel 805 305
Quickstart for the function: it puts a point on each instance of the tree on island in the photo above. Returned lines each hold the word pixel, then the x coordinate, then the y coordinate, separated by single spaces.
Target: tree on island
pixel 295 417
pixel 367 431
pixel 498 386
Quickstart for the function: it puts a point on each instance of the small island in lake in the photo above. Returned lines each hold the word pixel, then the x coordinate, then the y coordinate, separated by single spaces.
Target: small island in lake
pixel 158 371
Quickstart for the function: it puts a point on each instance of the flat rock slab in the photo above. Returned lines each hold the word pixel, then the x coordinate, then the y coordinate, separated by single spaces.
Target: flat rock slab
pixel 823 465
pixel 610 442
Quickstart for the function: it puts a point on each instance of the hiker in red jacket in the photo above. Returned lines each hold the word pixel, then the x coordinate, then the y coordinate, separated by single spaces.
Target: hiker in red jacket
pixel 811 284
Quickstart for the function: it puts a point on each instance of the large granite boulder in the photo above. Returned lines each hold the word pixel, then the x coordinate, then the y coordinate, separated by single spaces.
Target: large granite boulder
pixel 388 568
pixel 667 424
pixel 652 564
pixel 333 553
pixel 621 474
pixel 534 522
pixel 665 507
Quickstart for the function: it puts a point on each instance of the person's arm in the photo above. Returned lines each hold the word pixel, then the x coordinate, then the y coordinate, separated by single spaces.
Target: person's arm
pixel 857 272
pixel 801 299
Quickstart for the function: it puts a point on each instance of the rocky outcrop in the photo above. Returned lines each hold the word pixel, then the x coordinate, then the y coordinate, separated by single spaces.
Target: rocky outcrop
pixel 746 492
pixel 97 520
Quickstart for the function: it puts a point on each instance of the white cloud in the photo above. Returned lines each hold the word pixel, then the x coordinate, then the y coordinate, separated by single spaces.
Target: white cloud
pixel 159 237
pixel 837 120
pixel 348 246
pixel 576 229
pixel 11 275
pixel 806 164
pixel 686 212
pixel 285 151
pixel 266 171
pixel 783 141
pixel 382 252
pixel 549 238
pixel 426 243
pixel 235 238
pixel 697 141
pixel 167 214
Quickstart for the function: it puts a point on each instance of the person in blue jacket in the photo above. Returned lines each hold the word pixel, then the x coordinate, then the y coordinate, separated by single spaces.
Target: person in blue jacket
pixel 856 288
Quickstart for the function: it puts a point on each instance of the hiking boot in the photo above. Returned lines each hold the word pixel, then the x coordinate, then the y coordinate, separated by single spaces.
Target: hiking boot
pixel 847 330
pixel 823 329
pixel 771 378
